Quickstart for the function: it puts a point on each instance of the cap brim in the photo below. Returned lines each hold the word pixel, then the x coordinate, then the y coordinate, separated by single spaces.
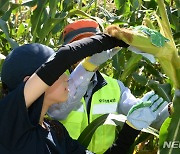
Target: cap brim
pixel 78 37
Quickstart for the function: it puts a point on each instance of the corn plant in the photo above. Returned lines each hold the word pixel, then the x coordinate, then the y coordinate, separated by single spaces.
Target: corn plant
pixel 166 53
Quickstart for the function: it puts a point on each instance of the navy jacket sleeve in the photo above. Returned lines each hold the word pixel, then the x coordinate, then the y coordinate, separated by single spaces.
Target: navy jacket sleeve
pixel 16 120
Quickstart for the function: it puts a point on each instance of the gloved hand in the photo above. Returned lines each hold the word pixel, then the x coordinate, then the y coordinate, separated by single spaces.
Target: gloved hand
pixel 146 111
pixel 92 63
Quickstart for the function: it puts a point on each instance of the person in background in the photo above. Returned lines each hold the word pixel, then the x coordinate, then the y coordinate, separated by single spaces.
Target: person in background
pixel 95 94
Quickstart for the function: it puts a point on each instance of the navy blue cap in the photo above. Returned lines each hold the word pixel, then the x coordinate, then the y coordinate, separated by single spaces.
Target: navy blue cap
pixel 23 61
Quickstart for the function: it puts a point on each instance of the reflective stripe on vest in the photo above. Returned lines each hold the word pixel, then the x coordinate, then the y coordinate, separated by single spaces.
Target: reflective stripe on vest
pixel 101 108
pixel 104 108
pixel 105 100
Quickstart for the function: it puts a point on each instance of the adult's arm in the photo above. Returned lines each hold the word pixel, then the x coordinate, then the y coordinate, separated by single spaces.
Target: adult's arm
pixel 79 80
pixel 125 139
pixel 67 55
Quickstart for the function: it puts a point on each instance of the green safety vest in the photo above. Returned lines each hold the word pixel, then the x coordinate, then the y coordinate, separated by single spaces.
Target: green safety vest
pixel 104 101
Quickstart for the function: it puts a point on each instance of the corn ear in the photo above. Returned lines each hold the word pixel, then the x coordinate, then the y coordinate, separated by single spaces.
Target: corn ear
pixel 164 51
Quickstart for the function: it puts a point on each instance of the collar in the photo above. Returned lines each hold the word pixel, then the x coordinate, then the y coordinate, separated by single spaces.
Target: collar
pixel 98 80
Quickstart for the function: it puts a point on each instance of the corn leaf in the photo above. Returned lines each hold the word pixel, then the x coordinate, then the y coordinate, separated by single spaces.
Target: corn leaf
pixel 130 66
pixel 4 27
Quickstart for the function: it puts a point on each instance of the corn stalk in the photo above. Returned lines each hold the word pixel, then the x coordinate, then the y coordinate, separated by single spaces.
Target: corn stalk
pixel 173 131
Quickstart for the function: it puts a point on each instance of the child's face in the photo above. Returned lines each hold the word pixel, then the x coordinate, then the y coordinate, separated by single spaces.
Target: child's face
pixel 58 92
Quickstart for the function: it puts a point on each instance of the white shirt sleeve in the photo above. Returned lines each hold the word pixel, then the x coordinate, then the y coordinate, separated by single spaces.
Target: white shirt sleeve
pixel 78 83
pixel 127 99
